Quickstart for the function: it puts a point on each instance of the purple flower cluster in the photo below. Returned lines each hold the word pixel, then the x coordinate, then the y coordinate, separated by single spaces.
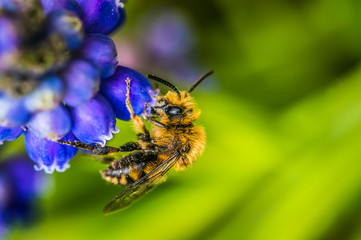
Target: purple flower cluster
pixel 59 76
pixel 20 187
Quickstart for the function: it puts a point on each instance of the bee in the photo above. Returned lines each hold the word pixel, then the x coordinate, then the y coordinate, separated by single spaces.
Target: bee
pixel 173 142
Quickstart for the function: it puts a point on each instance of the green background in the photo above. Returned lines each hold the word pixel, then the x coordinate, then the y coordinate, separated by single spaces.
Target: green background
pixel 283 123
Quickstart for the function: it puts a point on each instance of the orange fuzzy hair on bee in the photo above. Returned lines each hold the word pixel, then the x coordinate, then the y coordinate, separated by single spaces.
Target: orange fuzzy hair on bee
pixel 186 102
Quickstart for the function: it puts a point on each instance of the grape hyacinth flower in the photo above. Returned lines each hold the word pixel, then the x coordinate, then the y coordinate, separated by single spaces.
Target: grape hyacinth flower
pixel 20 187
pixel 54 58
pixel 9 134
pixel 114 88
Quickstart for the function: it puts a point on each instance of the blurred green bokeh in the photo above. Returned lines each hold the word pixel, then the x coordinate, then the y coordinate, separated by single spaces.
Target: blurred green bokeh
pixel 283 155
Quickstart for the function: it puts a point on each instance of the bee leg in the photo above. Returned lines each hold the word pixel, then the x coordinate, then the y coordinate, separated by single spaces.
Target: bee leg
pixel 97 149
pixel 129 147
pixel 154 122
pixel 106 150
pixel 77 144
pixel 137 121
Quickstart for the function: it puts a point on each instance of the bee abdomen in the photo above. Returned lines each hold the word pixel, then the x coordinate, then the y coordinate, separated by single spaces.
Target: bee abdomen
pixel 128 169
pixel 117 176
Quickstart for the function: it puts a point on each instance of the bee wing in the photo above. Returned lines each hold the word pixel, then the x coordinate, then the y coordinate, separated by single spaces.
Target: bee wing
pixel 142 186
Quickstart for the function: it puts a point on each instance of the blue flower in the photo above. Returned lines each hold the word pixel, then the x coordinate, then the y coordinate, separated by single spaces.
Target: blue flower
pixel 12 111
pixel 94 121
pixel 115 88
pixel 9 134
pixel 86 84
pixel 102 16
pixel 46 96
pixel 20 187
pixel 48 155
pixel 68 26
pixel 99 50
pixel 52 65
pixel 52 125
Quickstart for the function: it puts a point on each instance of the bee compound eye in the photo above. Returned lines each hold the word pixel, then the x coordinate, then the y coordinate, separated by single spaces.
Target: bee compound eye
pixel 173 111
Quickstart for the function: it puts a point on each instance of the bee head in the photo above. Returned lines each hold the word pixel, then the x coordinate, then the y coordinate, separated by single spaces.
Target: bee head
pixel 176 108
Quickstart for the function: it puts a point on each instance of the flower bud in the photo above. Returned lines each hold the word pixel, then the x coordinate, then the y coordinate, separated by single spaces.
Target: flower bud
pixel 99 50
pixel 68 25
pixel 9 134
pixel 12 111
pixel 82 81
pixel 48 155
pixel 102 16
pixel 94 121
pixel 115 88
pixel 46 96
pixel 52 125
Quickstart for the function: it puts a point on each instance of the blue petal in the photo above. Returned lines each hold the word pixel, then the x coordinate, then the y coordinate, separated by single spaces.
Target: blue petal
pixel 94 121
pixel 68 25
pixel 102 16
pixel 52 125
pixel 48 155
pixel 9 134
pixel 46 96
pixel 51 5
pixel 99 50
pixel 8 43
pixel 12 111
pixel 82 80
pixel 115 88
pixel 67 153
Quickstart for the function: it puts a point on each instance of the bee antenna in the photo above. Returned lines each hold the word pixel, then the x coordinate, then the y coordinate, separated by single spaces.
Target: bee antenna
pixel 199 80
pixel 161 80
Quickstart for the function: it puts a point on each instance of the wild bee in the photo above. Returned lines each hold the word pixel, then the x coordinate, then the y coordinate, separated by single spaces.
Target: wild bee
pixel 173 142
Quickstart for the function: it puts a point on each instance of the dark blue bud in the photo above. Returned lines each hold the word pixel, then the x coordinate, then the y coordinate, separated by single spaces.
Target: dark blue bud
pixel 115 88
pixel 94 121
pixel 68 25
pixel 52 125
pixel 8 43
pixel 51 5
pixel 102 16
pixel 99 50
pixel 13 112
pixel 48 155
pixel 82 81
pixel 46 96
pixel 9 134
